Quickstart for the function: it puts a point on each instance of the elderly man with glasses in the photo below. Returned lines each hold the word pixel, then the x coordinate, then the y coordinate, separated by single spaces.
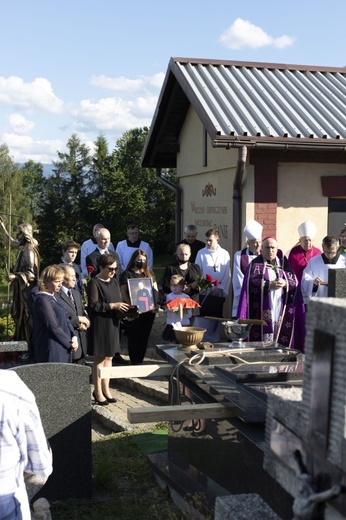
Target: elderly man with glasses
pixel 271 293
pixel 315 275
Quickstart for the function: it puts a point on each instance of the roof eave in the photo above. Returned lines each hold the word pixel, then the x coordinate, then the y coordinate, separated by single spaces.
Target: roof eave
pixel 278 143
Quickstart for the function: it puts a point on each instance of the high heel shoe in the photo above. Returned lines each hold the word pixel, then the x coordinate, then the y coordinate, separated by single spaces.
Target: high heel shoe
pixel 111 399
pixel 100 403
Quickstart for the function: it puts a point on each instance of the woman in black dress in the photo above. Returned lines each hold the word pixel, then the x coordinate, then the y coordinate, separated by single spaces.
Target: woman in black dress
pixel 190 272
pixel 105 306
pixel 138 330
pixel 55 338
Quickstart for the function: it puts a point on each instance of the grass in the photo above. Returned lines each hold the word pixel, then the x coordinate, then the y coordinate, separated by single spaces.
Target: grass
pixel 124 487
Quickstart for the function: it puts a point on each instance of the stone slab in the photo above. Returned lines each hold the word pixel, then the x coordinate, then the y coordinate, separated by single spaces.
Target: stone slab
pixel 243 507
pixel 13 346
pixel 337 283
pixel 62 392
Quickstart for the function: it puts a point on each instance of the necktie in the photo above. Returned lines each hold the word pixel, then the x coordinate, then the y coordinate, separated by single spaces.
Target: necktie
pixel 70 295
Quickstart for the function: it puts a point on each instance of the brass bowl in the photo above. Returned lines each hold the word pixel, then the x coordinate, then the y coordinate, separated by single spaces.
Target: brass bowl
pixel 189 337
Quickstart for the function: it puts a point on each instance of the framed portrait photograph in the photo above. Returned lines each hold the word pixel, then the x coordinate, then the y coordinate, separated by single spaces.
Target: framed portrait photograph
pixel 141 294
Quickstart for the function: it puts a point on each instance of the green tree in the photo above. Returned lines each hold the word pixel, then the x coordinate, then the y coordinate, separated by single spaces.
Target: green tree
pixel 111 188
pixel 33 184
pixel 136 196
pixel 64 204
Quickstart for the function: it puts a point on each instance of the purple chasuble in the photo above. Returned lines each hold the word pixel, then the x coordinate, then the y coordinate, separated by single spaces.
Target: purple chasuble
pixel 244 260
pixel 255 301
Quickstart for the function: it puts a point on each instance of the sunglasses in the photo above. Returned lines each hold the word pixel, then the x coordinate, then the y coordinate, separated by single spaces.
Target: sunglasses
pixel 111 269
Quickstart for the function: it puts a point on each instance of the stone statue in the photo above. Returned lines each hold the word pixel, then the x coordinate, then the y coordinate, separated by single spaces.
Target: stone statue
pixel 306 504
pixel 24 277
pixel 41 510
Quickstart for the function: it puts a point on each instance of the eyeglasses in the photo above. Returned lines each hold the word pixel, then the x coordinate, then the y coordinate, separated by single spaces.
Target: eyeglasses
pixel 111 269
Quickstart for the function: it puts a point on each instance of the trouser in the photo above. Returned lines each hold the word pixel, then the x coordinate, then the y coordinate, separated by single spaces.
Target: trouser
pixel 138 332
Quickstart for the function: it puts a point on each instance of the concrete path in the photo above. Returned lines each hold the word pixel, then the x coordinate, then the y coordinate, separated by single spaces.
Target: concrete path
pixel 135 392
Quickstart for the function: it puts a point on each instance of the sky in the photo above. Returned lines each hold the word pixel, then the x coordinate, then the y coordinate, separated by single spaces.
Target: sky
pixel 96 67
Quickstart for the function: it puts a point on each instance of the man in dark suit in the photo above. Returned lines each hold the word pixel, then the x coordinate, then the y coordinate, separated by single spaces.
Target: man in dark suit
pixel 70 250
pixel 72 299
pixel 103 240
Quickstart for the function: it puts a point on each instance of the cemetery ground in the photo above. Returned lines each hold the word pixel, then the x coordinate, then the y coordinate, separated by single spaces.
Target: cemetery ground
pixel 124 485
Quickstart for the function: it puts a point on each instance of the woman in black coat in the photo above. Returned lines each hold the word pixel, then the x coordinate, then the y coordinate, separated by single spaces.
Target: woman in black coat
pixel 138 330
pixel 105 307
pixel 190 272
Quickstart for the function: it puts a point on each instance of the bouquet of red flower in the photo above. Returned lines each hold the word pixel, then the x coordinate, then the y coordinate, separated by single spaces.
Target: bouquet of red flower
pixel 204 284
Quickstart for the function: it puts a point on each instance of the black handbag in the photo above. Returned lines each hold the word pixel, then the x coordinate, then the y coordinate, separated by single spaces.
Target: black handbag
pixel 131 313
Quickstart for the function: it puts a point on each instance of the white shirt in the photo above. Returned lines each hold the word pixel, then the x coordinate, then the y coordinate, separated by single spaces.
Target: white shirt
pixel 317 268
pixel 216 262
pixel 23 445
pixel 125 252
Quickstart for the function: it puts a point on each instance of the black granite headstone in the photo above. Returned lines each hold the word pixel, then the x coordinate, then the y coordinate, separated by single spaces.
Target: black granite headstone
pixel 62 393
pixel 337 283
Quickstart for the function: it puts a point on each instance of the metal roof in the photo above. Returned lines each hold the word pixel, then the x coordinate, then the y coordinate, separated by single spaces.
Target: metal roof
pixel 250 103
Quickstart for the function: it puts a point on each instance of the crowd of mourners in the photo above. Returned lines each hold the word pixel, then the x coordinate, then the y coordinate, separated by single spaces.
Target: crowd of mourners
pixel 70 310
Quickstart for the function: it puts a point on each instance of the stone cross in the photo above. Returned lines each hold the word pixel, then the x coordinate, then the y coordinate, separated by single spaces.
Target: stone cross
pixel 306 447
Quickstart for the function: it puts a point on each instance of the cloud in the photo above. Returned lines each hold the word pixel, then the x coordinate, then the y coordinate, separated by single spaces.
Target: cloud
pixel 35 96
pixel 25 148
pixel 114 114
pixel 20 125
pixel 242 34
pixel 132 106
pixel 127 85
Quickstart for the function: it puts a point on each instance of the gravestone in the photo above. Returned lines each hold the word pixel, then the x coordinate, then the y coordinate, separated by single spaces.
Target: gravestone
pixel 13 346
pixel 305 429
pixel 337 283
pixel 62 392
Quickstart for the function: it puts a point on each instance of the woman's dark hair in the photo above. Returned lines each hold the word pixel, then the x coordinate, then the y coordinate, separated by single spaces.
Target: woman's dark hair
pixel 131 265
pixel 106 260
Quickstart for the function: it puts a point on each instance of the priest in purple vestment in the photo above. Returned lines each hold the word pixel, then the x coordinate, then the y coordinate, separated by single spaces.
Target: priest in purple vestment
pixel 301 254
pixel 270 292
pixel 253 232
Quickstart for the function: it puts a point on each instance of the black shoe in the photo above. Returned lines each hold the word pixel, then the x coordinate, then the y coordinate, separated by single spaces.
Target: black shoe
pixel 100 403
pixel 118 360
pixel 111 399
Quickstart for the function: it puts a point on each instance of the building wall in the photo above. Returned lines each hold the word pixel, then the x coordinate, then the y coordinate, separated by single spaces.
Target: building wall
pixel 300 198
pixel 206 189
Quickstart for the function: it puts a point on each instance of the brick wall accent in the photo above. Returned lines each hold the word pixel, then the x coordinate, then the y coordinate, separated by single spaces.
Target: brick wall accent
pixel 266 183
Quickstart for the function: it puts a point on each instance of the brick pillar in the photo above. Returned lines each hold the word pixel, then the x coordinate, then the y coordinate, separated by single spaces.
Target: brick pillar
pixel 266 196
pixel 265 213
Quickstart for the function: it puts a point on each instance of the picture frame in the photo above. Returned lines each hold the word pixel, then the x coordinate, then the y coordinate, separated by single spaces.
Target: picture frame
pixel 141 294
